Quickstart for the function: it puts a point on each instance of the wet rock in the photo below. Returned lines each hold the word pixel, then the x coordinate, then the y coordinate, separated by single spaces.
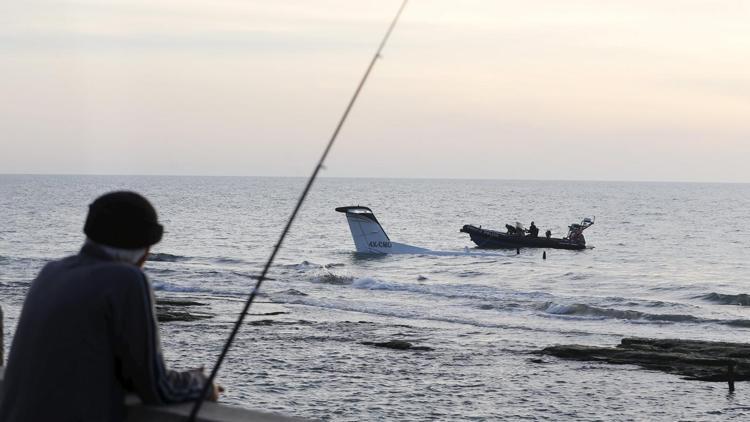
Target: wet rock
pixel 266 322
pixel 171 315
pixel 691 359
pixel 178 302
pixel 396 345
pixel 262 322
pixel 294 292
pixel 739 300
pixel 170 310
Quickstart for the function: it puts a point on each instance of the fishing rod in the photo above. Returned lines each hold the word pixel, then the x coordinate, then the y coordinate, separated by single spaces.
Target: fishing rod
pixel 259 282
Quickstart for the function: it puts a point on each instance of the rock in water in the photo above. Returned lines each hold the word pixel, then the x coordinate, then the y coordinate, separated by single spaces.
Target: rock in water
pixel 396 345
pixel 691 359
pixel 170 310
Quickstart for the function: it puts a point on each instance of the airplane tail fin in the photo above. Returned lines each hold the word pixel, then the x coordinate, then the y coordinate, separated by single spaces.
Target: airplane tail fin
pixel 367 233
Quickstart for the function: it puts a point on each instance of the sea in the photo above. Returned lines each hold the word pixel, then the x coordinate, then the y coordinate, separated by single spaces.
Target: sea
pixel 669 260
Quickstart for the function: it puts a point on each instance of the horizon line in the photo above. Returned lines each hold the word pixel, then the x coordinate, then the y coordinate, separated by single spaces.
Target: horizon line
pixel 378 178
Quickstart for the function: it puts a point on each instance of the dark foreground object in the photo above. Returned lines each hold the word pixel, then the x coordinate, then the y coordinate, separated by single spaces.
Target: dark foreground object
pixel 691 359
pixel 170 310
pixel 493 239
pixel 211 412
pixel 396 345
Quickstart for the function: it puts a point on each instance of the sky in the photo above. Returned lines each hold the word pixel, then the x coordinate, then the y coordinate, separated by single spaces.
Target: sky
pixel 541 89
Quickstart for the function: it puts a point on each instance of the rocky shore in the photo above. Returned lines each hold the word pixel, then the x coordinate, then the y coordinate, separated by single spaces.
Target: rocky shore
pixel 691 359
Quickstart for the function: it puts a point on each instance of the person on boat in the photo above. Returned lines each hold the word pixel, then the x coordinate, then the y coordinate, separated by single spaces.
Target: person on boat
pixel 510 229
pixel 548 233
pixel 533 230
pixel 88 334
pixel 519 228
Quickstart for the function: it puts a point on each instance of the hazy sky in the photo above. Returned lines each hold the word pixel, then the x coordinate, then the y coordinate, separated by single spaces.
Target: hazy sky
pixel 599 90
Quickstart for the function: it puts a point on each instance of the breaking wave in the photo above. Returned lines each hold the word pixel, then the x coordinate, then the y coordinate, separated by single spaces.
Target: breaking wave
pixel 741 299
pixel 293 292
pixel 467 291
pixel 331 278
pixel 168 287
pixel 583 310
pixel 307 265
pixel 166 257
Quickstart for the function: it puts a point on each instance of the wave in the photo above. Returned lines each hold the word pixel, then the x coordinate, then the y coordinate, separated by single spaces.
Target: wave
pixel 623 301
pixel 412 314
pixel 224 260
pixel 583 310
pixel 307 265
pixel 499 307
pixel 335 279
pixel 741 299
pixel 743 323
pixel 467 291
pixel 293 292
pixel 168 287
pixel 166 257
pixel 576 276
pixel 470 274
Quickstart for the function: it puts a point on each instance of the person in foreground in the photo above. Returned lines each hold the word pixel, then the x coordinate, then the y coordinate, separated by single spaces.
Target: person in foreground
pixel 88 334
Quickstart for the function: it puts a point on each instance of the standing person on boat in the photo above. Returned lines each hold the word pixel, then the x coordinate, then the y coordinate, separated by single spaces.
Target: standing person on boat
pixel 533 230
pixel 87 333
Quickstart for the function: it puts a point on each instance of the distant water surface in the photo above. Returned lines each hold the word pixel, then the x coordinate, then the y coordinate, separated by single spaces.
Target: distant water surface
pixel 670 261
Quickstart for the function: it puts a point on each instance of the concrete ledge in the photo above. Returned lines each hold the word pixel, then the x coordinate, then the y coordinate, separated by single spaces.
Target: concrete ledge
pixel 210 412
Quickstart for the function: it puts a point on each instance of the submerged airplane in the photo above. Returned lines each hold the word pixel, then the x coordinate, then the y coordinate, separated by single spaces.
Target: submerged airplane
pixel 370 238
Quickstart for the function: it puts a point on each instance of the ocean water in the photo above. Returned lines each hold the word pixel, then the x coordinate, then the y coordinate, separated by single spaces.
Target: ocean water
pixel 669 261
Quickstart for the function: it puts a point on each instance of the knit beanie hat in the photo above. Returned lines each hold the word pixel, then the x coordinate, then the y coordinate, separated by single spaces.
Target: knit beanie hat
pixel 123 219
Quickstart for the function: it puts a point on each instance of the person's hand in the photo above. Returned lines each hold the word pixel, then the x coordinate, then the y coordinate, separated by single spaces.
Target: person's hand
pixel 216 390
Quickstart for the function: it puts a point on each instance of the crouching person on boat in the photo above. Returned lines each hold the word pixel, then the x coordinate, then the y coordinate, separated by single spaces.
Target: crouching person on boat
pixel 533 230
pixel 87 333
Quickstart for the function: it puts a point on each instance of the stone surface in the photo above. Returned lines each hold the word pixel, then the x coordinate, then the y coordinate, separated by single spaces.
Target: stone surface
pixel 691 359
pixel 169 310
pixel 396 345
pixel 210 412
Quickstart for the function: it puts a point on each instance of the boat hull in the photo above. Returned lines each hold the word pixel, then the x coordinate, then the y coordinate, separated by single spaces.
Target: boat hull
pixel 492 239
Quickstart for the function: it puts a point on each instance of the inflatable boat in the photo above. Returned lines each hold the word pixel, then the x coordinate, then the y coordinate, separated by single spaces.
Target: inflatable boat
pixel 493 239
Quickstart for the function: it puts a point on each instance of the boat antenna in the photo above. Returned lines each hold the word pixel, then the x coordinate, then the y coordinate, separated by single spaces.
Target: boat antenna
pixel 259 282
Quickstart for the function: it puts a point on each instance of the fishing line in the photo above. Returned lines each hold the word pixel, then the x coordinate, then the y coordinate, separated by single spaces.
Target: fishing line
pixel 259 282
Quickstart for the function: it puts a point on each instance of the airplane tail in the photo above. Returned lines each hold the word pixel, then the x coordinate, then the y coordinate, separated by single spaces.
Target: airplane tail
pixel 367 233
pixel 370 238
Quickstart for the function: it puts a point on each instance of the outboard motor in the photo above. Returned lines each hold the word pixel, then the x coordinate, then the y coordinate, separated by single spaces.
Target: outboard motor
pixel 575 230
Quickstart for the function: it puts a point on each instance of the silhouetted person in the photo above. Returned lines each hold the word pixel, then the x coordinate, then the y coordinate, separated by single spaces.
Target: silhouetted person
pixel 510 229
pixel 548 233
pixel 533 230
pixel 87 333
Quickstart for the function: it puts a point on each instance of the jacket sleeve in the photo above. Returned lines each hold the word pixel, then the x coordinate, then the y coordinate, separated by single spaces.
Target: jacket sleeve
pixel 138 350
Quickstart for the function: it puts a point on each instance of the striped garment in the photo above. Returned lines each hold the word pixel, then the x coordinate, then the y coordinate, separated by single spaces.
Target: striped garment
pixel 87 335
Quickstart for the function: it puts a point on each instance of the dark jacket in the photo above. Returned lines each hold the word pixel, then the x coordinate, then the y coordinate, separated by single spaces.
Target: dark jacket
pixel 86 335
